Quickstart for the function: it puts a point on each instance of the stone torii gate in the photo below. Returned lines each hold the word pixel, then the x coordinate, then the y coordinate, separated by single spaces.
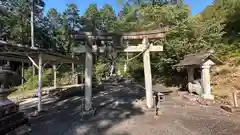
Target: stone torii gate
pixel 145 48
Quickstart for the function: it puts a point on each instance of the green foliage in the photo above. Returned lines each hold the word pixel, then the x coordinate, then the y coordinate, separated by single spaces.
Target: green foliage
pixel 28 73
pixel 101 70
pixel 107 19
pixel 159 16
pixel 186 35
pixel 64 77
pixel 217 28
pixel 136 70
pixel 226 11
pixel 91 16
pixel 32 81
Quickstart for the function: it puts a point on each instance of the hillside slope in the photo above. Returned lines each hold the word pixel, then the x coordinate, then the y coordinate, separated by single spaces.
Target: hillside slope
pixel 225 80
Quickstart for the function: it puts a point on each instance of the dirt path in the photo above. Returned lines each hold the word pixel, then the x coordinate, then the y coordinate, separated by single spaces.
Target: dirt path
pixel 120 116
pixel 176 119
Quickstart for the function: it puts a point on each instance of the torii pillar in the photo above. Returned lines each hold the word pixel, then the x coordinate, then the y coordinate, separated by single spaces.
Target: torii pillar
pixel 147 47
pixel 88 78
pixel 88 71
pixel 147 74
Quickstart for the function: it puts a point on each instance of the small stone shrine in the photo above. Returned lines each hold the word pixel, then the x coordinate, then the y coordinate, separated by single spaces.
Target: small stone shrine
pixel 199 82
pixel 10 117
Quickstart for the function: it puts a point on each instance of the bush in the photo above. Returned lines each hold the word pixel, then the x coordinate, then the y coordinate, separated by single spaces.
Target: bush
pixel 28 73
pixel 32 81
pixel 101 70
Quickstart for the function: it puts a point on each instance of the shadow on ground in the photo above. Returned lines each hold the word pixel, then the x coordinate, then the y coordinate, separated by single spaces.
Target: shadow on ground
pixel 64 117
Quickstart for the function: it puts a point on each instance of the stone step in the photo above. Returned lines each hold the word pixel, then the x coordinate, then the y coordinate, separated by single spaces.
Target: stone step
pixel 189 97
pixel 230 108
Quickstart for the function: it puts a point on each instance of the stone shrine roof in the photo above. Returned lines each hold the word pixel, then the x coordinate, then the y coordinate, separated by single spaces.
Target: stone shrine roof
pixel 197 59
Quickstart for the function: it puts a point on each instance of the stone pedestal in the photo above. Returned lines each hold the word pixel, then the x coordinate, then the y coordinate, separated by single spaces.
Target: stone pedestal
pixel 207 96
pixel 206 82
pixel 10 117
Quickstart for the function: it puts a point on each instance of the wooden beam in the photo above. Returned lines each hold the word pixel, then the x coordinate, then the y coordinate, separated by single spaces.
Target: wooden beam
pixel 125 36
pixel 93 37
pixel 14 59
pixel 33 62
pixel 19 51
pixel 79 49
pixel 157 31
pixel 96 34
pixel 139 48
pixel 152 34
pixel 82 49
pixel 57 59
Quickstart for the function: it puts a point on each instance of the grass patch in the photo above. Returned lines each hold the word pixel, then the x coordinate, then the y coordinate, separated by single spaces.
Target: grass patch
pixel 224 71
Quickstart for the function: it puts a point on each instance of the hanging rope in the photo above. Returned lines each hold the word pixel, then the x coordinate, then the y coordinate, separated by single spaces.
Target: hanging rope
pixel 128 60
pixel 137 54
pixel 90 49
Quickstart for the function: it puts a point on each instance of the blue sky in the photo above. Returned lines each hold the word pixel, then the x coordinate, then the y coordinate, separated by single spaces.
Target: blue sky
pixel 195 5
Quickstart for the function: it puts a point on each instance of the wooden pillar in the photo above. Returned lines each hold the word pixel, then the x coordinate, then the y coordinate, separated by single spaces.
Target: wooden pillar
pixel 82 77
pixel 40 62
pixel 76 80
pixel 33 72
pixel 73 72
pixel 126 64
pixel 54 76
pixel 77 74
pixel 147 74
pixel 22 73
pixel 88 78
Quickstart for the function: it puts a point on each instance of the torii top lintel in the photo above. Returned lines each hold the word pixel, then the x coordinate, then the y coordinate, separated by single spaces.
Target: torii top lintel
pixel 153 34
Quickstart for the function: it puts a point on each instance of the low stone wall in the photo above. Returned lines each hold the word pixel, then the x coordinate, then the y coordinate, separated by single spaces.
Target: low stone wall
pixel 50 91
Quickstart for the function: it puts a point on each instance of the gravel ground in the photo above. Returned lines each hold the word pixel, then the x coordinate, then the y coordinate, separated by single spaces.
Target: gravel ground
pixel 119 114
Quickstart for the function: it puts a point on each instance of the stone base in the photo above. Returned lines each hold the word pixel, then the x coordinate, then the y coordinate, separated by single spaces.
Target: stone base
pixel 11 122
pixel 189 97
pixel 22 130
pixel 37 113
pixel 230 108
pixel 10 117
pixel 7 107
pixel 146 109
pixel 208 97
pixel 207 102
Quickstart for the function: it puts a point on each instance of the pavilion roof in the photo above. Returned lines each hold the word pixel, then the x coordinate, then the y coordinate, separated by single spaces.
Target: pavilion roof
pixel 197 59
pixel 21 53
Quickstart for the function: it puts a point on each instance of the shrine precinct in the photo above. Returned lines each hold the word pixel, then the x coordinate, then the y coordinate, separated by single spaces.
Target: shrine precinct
pixel 95 42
